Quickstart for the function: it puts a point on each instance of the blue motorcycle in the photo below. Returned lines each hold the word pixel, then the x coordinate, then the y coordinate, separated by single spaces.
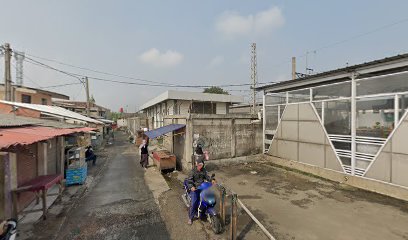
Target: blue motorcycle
pixel 206 206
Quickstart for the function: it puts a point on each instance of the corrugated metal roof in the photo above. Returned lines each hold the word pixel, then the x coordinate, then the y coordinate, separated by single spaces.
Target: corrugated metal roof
pixel 53 110
pixel 10 137
pixel 11 120
pixel 163 130
pixel 334 72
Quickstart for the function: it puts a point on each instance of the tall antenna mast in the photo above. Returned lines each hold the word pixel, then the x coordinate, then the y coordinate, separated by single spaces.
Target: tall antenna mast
pixel 254 76
pixel 19 57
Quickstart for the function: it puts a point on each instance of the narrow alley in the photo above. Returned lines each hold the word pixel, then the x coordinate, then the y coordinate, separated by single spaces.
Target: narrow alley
pixel 120 205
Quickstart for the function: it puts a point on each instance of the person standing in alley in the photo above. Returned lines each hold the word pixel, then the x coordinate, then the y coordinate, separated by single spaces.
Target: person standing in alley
pixel 144 154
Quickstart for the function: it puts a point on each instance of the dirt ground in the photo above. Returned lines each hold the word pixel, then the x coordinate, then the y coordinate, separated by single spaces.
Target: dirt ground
pixel 293 205
pixel 174 213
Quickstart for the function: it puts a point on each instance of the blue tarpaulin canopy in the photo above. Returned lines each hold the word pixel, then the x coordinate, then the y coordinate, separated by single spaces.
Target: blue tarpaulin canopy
pixel 163 130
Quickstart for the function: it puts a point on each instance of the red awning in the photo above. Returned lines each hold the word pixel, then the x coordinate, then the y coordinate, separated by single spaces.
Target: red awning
pixel 10 137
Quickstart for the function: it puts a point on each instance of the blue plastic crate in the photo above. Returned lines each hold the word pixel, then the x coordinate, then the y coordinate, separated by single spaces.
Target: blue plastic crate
pixel 76 175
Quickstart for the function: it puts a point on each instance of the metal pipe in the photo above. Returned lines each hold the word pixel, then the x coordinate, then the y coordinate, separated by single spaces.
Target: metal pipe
pixel 268 234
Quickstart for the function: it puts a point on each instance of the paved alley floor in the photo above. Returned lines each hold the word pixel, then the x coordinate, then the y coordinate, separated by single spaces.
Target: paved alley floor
pixel 294 205
pixel 119 205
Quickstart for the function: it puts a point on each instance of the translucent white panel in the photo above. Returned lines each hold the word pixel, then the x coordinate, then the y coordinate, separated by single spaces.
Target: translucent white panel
pixel 318 106
pixel 342 145
pixel 282 109
pixel 403 103
pixel 299 96
pixel 332 91
pixel 337 117
pixel 275 98
pixel 345 161
pixel 271 117
pixel 368 148
pixel 384 84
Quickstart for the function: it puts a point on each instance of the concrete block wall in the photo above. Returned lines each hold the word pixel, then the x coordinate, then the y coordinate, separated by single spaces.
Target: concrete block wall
pixel 224 136
pixel 301 137
pixel 391 164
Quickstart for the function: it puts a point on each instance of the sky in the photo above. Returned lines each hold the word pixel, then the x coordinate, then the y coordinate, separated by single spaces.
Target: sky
pixel 194 42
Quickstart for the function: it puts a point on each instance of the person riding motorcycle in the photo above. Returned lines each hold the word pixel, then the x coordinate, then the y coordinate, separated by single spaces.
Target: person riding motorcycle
pixel 197 176
pixel 8 229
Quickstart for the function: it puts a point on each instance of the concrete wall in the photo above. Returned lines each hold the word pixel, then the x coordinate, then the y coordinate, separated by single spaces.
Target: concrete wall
pixel 359 182
pixel 301 137
pixel 391 165
pixel 136 123
pixel 36 97
pixel 223 136
pixel 221 108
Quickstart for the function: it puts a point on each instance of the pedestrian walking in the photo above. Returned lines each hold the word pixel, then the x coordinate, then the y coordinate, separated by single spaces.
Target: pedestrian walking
pixel 144 154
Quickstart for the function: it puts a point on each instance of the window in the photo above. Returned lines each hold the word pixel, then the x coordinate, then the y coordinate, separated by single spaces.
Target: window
pixel 318 106
pixel 383 84
pixel 337 117
pixel 332 91
pixel 25 98
pixel 203 108
pixel 271 117
pixel 375 116
pixel 44 101
pixel 299 96
pixel 275 98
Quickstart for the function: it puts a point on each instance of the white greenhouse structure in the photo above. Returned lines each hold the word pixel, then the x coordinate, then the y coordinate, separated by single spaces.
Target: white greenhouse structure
pixel 351 120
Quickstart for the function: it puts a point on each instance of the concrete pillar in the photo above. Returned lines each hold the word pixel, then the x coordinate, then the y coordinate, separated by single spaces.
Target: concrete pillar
pixel 13 170
pixel 42 158
pixel 233 138
pixel 60 155
pixel 3 184
pixel 8 182
pixel 188 144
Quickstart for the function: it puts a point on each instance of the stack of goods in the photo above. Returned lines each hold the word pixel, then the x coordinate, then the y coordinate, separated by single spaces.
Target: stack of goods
pixel 76 168
pixel 140 136
pixel 164 160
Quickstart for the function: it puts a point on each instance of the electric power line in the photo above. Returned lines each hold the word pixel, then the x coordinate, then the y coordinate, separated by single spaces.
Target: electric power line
pixel 161 84
pixel 62 85
pixel 78 76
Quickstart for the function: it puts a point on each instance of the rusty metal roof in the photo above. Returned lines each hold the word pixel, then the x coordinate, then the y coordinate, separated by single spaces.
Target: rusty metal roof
pixel 12 137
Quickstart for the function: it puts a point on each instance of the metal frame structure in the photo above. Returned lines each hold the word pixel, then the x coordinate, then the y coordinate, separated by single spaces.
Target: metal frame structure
pixel 357 157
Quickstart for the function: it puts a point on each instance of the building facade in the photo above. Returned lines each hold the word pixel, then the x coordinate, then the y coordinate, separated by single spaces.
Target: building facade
pixel 352 120
pixel 32 95
pixel 181 103
pixel 95 110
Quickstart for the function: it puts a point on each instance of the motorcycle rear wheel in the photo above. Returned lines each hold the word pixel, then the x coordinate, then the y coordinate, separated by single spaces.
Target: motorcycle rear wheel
pixel 216 224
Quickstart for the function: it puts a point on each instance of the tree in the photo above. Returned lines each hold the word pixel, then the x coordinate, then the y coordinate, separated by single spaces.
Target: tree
pixel 216 90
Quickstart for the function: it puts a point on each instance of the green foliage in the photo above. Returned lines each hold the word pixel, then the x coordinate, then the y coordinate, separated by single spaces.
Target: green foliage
pixel 115 116
pixel 216 90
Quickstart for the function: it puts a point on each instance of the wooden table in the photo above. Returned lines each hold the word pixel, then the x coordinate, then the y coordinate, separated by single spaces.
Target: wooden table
pixel 39 186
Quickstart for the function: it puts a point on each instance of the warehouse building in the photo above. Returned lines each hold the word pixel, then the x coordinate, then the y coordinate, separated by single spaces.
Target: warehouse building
pixel 182 102
pixel 351 120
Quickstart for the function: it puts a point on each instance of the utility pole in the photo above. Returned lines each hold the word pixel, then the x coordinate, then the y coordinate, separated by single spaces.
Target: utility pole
pixel 88 103
pixel 293 68
pixel 7 72
pixel 254 76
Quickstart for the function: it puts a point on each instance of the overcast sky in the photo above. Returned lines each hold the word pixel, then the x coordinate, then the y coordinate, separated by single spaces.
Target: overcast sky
pixel 195 42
